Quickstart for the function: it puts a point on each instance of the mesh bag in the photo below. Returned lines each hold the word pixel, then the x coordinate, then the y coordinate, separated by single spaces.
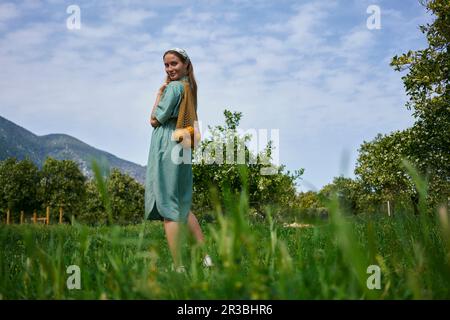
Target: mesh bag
pixel 186 130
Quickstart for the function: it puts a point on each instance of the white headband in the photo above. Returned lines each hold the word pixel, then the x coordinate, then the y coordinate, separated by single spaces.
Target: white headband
pixel 182 52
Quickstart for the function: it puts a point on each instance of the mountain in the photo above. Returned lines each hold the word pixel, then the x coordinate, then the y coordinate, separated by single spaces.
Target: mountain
pixel 20 143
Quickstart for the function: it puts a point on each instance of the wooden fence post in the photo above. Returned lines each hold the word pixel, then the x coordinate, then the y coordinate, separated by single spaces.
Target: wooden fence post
pixel 7 216
pixel 48 215
pixel 60 215
pixel 21 217
pixel 389 208
pixel 34 217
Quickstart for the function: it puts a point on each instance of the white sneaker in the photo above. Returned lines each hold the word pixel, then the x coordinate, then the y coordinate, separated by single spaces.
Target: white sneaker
pixel 207 262
pixel 181 269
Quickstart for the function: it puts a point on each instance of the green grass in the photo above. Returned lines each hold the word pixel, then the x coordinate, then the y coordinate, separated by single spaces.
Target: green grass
pixel 253 259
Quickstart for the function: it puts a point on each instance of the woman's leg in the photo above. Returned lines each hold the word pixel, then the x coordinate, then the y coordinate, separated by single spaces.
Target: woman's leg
pixel 172 229
pixel 194 227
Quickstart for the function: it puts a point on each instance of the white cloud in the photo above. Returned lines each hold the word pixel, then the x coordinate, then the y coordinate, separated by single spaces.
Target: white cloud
pixel 324 87
pixel 8 11
pixel 31 4
pixel 134 17
pixel 357 39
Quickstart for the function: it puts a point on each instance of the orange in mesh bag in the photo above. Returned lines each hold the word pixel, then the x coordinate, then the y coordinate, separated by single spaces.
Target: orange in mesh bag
pixel 186 130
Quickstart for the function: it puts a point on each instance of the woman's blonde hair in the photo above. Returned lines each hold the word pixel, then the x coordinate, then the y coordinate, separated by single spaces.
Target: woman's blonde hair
pixel 190 72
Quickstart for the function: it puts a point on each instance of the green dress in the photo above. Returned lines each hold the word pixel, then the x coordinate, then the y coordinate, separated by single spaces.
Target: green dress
pixel 168 184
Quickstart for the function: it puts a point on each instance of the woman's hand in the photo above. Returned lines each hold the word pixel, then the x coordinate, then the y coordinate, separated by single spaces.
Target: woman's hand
pixel 155 123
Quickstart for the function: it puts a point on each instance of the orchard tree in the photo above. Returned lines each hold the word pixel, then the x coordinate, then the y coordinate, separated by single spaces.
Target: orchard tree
pixel 309 200
pixel 213 171
pixel 93 211
pixel 127 198
pixel 427 85
pixel 62 185
pixel 427 143
pixel 380 170
pixel 125 194
pixel 18 185
pixel 346 191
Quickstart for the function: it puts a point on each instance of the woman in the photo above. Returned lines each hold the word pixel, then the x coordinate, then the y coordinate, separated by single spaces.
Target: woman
pixel 168 186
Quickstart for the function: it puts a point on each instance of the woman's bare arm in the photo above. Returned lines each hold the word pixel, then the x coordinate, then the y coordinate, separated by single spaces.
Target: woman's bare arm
pixel 155 123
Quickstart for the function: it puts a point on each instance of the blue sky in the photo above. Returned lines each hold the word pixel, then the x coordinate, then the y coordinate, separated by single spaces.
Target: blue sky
pixel 311 69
